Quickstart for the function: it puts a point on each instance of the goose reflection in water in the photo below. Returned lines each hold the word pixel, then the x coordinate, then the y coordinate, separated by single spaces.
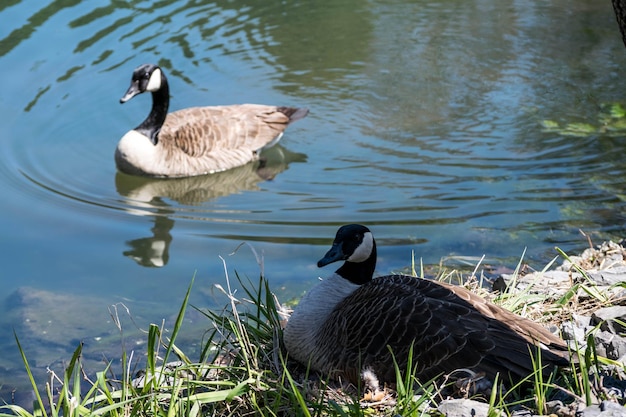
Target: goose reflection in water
pixel 147 197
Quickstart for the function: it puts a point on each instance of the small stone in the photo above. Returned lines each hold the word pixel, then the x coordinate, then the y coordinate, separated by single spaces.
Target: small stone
pixel 591 411
pixel 581 321
pixel 611 405
pixel 464 408
pixel 609 277
pixel 557 276
pixel 574 332
pixel 610 345
pixel 609 318
pixel 558 409
pixel 522 413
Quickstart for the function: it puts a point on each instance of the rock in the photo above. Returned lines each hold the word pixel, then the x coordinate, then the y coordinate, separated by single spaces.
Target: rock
pixel 551 284
pixel 611 319
pixel 558 277
pixel 50 325
pixel 54 318
pixel 591 411
pixel 611 405
pixel 465 408
pixel 608 255
pixel 580 320
pixel 522 413
pixel 568 265
pixel 575 331
pixel 605 409
pixel 609 277
pixel 610 345
pixel 557 408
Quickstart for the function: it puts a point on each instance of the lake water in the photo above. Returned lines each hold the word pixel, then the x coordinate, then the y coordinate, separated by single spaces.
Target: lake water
pixel 426 124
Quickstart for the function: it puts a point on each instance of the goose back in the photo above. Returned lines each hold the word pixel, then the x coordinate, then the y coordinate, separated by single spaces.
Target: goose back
pixel 447 328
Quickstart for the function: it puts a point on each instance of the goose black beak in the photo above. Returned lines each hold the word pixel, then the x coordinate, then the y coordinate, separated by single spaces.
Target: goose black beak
pixel 333 255
pixel 132 91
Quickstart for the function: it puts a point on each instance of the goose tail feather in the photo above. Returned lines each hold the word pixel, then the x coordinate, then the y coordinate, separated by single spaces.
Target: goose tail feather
pixel 293 113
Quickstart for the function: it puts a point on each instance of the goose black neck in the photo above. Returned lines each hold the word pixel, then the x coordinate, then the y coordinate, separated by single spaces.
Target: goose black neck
pixel 359 272
pixel 160 104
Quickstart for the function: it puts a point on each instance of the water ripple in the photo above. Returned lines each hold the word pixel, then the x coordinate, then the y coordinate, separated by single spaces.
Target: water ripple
pixel 409 123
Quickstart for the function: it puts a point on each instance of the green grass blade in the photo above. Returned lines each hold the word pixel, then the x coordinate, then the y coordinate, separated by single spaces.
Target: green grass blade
pixel 179 322
pixel 39 402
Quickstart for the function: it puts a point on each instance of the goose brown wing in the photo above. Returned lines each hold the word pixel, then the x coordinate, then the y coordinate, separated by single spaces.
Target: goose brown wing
pixel 446 330
pixel 199 131
pixel 531 331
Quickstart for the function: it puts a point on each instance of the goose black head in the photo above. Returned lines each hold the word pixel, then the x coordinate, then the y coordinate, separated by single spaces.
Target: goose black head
pixel 146 77
pixel 354 244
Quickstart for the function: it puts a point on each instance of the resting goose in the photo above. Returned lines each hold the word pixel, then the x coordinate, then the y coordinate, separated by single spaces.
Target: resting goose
pixel 344 325
pixel 196 140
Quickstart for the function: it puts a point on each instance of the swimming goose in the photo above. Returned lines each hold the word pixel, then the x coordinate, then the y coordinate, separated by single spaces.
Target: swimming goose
pixel 344 325
pixel 196 140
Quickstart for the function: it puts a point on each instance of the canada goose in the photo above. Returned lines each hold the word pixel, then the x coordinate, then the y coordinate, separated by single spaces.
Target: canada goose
pixel 345 324
pixel 196 140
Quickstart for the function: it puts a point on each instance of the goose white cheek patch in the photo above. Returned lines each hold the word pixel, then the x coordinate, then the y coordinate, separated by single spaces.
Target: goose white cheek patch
pixel 155 81
pixel 364 250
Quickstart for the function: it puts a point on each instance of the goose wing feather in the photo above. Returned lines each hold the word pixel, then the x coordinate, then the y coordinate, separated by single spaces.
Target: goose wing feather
pixel 445 327
pixel 200 131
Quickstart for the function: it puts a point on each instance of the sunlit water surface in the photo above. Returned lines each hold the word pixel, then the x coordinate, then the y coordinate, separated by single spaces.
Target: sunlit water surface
pixel 425 124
